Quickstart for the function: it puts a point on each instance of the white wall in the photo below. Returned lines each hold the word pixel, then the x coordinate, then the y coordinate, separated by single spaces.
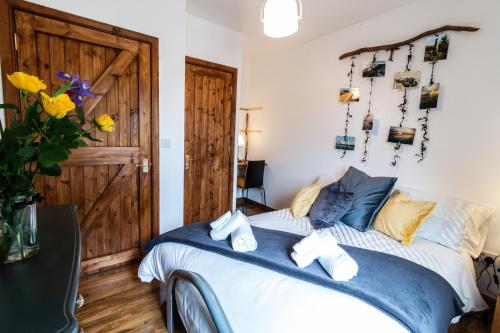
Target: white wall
pixel 302 115
pixel 208 41
pixel 165 20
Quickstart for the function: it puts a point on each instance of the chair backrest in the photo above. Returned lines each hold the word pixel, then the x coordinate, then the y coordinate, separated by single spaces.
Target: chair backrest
pixel 255 174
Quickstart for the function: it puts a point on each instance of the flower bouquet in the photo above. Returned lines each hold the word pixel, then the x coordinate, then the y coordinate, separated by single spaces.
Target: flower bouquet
pixel 42 134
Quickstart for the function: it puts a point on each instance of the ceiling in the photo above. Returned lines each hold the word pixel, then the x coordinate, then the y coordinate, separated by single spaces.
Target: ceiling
pixel 320 17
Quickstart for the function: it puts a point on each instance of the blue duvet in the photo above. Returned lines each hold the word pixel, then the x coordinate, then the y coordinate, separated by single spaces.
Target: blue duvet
pixel 415 296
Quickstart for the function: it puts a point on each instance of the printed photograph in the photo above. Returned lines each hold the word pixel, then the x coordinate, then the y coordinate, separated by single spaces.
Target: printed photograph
pixel 348 95
pixel 429 97
pixel 403 135
pixel 345 142
pixel 368 122
pixel 407 79
pixel 374 69
pixel 436 48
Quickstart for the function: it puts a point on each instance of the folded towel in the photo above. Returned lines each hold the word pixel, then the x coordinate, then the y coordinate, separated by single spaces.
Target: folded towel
pixel 221 220
pixel 339 265
pixel 307 244
pixel 242 238
pixel 227 228
pixel 304 260
pixel 323 246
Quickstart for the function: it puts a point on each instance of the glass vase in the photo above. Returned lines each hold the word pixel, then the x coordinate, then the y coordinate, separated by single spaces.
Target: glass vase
pixel 18 233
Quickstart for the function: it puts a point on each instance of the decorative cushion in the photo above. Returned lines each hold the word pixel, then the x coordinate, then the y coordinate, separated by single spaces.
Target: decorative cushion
pixel 457 224
pixel 304 200
pixel 330 206
pixel 327 180
pixel 369 195
pixel 401 217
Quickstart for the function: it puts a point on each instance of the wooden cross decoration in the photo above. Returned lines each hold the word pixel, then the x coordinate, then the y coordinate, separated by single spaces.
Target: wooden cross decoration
pixel 246 130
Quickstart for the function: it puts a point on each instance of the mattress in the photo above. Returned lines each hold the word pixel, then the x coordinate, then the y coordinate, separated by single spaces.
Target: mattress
pixel 259 300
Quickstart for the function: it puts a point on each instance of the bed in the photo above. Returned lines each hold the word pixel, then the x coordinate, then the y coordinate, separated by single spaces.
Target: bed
pixel 256 299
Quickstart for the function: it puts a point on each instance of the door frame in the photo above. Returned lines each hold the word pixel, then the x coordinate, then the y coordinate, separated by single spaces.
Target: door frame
pixel 234 71
pixel 9 64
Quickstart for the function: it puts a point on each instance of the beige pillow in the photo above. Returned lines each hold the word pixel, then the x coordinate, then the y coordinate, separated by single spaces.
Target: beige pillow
pixel 304 200
pixel 401 217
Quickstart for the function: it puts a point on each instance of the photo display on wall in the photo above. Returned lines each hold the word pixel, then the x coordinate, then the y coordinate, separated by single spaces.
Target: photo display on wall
pixel 374 69
pixel 347 96
pixel 436 48
pixel 405 80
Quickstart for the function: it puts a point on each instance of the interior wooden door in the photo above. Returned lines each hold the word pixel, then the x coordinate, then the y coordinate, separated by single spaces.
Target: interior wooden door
pixel 105 179
pixel 209 139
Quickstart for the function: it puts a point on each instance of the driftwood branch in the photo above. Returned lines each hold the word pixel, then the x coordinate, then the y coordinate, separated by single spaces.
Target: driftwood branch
pixel 395 46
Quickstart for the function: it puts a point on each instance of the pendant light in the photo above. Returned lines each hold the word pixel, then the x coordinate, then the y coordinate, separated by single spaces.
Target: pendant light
pixel 281 17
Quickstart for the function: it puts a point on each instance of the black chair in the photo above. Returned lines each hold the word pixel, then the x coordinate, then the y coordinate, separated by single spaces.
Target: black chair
pixel 253 178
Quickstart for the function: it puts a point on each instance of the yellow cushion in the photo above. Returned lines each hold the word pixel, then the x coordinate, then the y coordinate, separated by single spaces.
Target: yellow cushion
pixel 304 200
pixel 400 217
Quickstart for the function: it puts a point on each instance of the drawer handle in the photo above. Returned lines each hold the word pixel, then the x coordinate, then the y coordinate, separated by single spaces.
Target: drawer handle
pixel 80 301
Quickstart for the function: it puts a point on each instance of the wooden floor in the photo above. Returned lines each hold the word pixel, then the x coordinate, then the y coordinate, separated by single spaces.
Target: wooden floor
pixel 117 301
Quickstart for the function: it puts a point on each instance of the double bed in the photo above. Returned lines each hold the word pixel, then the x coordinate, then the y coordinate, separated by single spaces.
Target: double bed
pixel 256 299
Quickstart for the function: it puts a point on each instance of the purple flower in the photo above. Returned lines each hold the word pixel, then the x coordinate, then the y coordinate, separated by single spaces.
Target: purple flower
pixel 78 88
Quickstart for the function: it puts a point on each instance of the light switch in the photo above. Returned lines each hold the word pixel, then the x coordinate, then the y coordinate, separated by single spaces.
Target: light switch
pixel 165 143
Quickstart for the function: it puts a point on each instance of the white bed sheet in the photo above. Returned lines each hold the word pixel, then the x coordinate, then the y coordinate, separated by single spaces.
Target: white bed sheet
pixel 259 300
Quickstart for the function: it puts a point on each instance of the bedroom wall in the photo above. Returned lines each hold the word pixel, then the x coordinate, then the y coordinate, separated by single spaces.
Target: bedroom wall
pixel 208 41
pixel 165 20
pixel 302 115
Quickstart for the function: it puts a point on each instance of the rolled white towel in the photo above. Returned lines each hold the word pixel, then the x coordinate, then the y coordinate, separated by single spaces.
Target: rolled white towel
pixel 221 220
pixel 242 238
pixel 323 246
pixel 339 265
pixel 307 244
pixel 304 260
pixel 227 228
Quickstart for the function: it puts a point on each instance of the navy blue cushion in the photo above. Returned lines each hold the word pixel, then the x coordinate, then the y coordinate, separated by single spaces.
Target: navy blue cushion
pixel 369 195
pixel 330 206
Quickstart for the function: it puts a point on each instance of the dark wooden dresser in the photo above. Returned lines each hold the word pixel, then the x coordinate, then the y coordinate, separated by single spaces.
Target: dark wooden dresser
pixel 38 295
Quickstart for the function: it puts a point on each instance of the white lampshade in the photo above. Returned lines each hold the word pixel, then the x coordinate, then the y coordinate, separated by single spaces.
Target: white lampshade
pixel 281 17
pixel 241 140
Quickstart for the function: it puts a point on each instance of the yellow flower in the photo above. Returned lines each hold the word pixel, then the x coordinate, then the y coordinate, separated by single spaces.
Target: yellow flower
pixel 105 123
pixel 26 82
pixel 57 106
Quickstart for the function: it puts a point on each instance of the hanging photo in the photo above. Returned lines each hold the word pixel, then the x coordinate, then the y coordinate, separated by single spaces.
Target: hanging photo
pixel 345 142
pixel 348 95
pixel 436 48
pixel 368 122
pixel 403 135
pixel 374 69
pixel 407 79
pixel 429 97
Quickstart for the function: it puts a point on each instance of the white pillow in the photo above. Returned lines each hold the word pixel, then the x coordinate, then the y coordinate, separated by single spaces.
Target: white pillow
pixel 457 224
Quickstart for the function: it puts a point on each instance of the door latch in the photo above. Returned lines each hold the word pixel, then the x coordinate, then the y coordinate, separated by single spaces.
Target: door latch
pixel 144 165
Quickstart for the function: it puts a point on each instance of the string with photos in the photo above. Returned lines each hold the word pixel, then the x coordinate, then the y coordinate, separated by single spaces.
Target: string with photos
pixel 403 107
pixel 368 114
pixel 425 122
pixel 348 112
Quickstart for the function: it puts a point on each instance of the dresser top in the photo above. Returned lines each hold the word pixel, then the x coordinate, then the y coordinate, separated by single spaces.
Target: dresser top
pixel 38 294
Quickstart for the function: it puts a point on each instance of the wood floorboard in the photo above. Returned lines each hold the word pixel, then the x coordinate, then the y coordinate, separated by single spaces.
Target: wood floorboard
pixel 117 301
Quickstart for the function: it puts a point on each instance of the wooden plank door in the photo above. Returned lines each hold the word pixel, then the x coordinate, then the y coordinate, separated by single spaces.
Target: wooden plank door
pixel 113 194
pixel 209 139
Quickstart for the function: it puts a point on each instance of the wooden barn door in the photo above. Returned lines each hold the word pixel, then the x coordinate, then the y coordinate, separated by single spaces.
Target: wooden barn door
pixel 108 180
pixel 210 97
